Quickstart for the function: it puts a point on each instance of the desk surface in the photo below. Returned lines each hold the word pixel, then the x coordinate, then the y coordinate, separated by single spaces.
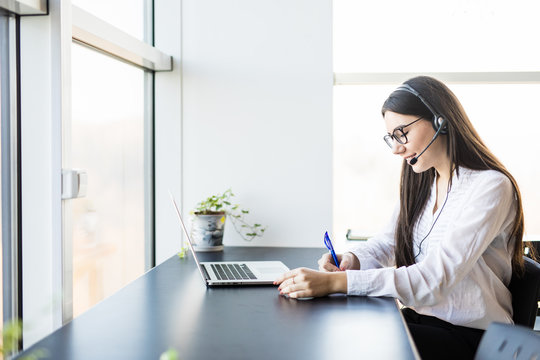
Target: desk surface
pixel 169 307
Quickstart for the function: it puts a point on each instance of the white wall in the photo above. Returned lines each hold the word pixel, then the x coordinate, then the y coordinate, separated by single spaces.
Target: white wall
pixel 257 113
pixel 168 128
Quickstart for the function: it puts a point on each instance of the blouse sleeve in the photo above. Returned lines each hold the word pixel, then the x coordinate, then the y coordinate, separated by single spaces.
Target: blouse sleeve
pixel 488 211
pixel 378 251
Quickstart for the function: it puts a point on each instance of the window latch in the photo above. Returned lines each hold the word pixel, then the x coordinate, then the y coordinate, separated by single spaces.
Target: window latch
pixel 74 183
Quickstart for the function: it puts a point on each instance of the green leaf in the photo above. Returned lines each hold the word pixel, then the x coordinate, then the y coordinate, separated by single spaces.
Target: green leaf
pixel 11 334
pixel 182 253
pixel 222 202
pixel 170 354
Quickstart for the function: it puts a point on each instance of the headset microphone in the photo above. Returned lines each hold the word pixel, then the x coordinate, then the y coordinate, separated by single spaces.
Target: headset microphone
pixel 441 126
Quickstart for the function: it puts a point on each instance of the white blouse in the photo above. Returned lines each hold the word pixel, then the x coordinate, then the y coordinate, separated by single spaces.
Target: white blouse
pixel 464 265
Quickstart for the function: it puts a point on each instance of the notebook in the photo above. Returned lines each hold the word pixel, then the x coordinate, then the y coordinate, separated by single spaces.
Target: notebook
pixel 222 273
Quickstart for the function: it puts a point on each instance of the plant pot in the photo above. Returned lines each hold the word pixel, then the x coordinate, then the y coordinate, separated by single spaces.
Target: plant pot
pixel 207 231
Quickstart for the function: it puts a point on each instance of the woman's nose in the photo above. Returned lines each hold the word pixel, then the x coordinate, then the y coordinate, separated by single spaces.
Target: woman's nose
pixel 397 148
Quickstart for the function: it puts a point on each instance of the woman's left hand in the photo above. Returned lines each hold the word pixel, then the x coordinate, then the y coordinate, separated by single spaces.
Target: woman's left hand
pixel 303 282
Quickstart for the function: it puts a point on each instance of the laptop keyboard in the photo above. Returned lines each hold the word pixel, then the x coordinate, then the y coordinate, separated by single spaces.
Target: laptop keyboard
pixel 232 272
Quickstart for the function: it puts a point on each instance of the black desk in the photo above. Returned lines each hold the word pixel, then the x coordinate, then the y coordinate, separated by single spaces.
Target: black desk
pixel 169 306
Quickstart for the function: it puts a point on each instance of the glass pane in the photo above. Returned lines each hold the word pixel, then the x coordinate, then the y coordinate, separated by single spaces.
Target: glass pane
pixel 425 35
pixel 107 141
pixel 127 15
pixel 366 173
pixel 5 48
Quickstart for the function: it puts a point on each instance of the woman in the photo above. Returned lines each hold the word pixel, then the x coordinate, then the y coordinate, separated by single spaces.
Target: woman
pixel 452 243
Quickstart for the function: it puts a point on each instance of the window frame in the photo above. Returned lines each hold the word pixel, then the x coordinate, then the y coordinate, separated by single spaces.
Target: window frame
pixel 11 197
pixel 46 110
pixel 371 78
pixel 98 35
pixel 10 169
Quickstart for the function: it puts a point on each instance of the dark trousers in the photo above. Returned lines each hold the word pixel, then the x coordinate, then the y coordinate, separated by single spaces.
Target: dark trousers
pixel 438 339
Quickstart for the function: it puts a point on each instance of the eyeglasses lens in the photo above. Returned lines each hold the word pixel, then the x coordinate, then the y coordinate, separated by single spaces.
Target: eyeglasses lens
pixel 398 135
pixel 389 140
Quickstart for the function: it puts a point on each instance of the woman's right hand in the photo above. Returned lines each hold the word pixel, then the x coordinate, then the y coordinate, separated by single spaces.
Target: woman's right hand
pixel 347 261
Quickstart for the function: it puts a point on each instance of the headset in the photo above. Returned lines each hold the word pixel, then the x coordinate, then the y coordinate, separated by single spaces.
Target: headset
pixel 438 122
pixel 440 126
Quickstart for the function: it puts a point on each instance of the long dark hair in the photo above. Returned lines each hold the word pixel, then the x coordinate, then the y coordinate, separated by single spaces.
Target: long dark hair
pixel 465 149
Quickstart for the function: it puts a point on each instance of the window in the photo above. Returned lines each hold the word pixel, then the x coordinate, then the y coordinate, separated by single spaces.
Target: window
pixel 110 139
pixel 107 141
pixel 3 75
pixel 9 259
pixel 491 68
pixel 127 15
pixel 62 110
pixel 430 36
pixel 366 174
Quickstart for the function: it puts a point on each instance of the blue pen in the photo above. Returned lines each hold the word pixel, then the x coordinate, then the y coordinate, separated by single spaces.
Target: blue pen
pixel 328 244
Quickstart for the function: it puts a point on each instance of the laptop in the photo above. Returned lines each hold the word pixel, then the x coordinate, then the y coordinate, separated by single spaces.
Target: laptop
pixel 223 273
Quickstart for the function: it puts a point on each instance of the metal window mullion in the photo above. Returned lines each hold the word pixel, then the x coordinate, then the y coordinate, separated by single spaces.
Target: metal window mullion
pixel 382 78
pixel 93 32
pixel 61 83
pixel 149 193
pixel 149 168
pixel 25 7
pixel 10 171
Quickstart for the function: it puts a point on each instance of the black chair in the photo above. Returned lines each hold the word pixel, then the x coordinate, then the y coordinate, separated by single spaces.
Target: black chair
pixel 505 342
pixel 525 294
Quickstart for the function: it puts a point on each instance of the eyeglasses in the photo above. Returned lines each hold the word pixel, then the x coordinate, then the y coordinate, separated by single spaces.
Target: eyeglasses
pixel 398 134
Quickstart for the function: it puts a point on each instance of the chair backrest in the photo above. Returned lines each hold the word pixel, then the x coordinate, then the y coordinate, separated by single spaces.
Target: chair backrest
pixel 505 342
pixel 525 294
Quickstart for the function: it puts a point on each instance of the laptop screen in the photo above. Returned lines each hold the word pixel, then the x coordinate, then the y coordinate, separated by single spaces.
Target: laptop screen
pixel 187 236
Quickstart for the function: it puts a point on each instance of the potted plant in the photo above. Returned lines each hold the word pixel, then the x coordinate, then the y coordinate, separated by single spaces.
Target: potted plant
pixel 209 222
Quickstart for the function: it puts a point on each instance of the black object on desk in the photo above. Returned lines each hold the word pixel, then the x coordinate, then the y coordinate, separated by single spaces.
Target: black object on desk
pixel 170 307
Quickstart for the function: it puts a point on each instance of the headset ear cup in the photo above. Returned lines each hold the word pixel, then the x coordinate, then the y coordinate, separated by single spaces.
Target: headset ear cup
pixel 436 123
pixel 441 122
pixel 438 120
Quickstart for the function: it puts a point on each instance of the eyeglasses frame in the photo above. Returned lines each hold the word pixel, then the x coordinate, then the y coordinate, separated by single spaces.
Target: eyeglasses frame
pixel 390 138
